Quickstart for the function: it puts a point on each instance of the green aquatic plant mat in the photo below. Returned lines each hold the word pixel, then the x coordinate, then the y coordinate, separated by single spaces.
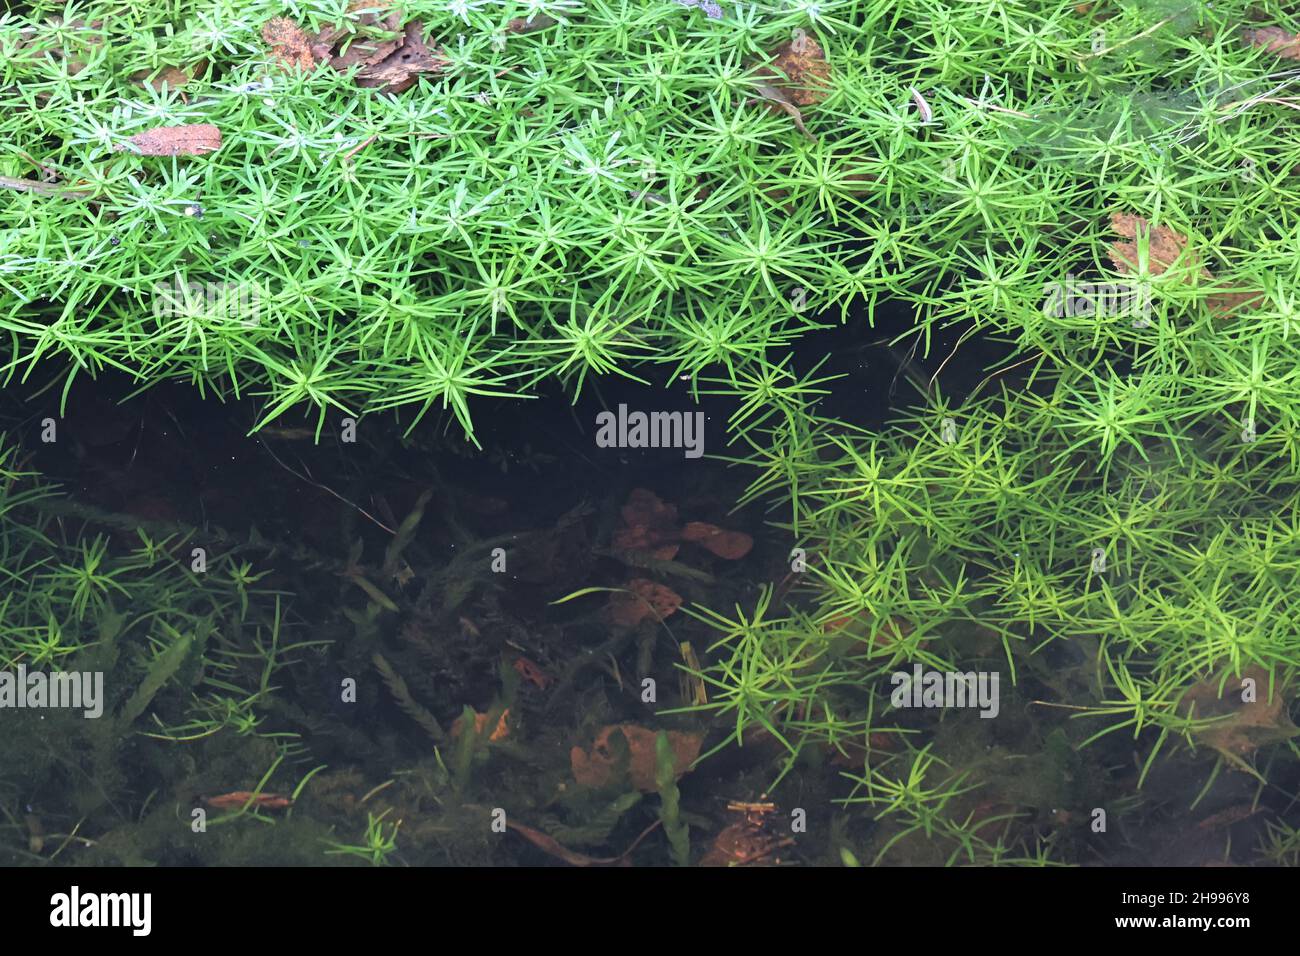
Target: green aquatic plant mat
pixel 569 189
pixel 1114 541
pixel 117 649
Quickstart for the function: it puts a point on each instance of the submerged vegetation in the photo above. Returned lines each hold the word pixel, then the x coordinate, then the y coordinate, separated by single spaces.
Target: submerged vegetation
pixel 378 230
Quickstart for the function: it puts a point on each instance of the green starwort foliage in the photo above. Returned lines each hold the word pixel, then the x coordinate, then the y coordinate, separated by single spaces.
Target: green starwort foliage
pixel 606 191
pixel 602 195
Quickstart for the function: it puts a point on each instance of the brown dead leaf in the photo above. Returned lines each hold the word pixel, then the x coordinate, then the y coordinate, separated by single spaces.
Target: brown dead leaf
pixel 1275 40
pixel 778 99
pixel 398 71
pixel 369 50
pixel 647 522
pixel 1245 726
pixel 1226 818
pixel 168 76
pixel 1165 248
pixel 595 769
pixel 386 61
pixel 750 841
pixel 548 844
pixel 193 139
pixel 641 599
pixel 732 545
pixel 538 21
pixel 480 721
pixel 800 70
pixel 797 76
pixel 289 43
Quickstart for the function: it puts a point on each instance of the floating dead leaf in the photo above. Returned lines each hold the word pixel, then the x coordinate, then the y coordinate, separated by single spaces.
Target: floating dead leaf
pixel 168 77
pixel 289 43
pixel 800 70
pixel 375 41
pixel 1245 725
pixel 1165 247
pixel 647 522
pixel 1275 40
pixel 390 57
pixel 641 599
pixel 480 721
pixel 548 844
pixel 538 21
pixel 399 70
pixel 749 841
pixel 596 769
pixel 532 673
pixel 732 545
pixel 797 76
pixel 193 139
pixel 778 98
pixel 1226 818
pixel 250 799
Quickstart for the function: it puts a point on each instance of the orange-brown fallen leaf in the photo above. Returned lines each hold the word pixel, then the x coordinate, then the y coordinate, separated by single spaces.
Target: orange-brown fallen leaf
pixel 647 522
pixel 375 41
pixel 642 598
pixel 390 57
pixel 400 69
pixel 538 21
pixel 1275 40
pixel 1243 726
pixel 596 769
pixel 193 139
pixel 1226 818
pixel 1165 247
pixel 532 673
pixel 748 841
pixel 732 545
pixel 169 77
pixel 800 70
pixel 239 798
pixel 289 43
pixel 480 721
pixel 548 844
pixel 798 76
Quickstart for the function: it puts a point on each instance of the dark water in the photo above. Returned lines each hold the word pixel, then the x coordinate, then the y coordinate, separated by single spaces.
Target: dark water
pixel 169 461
